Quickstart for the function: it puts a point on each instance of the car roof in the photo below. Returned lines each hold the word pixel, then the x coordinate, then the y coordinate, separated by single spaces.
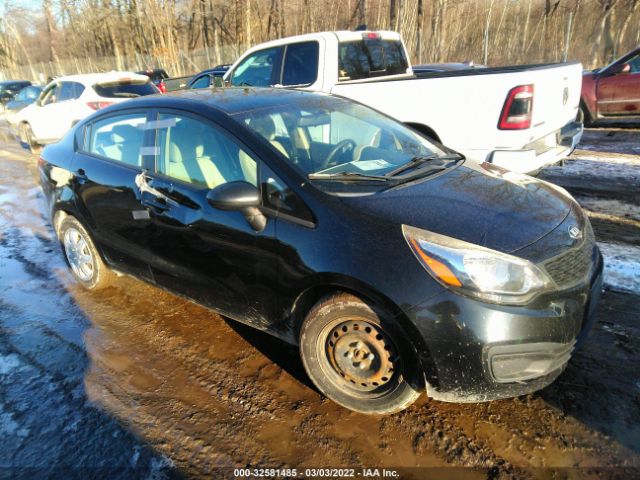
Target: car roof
pixel 11 82
pixel 93 78
pixel 230 100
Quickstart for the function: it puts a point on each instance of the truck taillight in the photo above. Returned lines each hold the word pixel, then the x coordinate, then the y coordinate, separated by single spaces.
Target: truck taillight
pixel 162 87
pixel 516 112
pixel 371 36
pixel 98 105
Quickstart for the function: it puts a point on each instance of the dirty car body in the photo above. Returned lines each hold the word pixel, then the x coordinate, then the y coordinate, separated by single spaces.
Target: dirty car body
pixel 336 214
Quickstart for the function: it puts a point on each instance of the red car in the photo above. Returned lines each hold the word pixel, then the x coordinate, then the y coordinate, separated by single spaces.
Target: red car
pixel 612 91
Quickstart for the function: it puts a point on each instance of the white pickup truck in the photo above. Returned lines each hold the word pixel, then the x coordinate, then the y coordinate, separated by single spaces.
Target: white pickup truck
pixel 519 117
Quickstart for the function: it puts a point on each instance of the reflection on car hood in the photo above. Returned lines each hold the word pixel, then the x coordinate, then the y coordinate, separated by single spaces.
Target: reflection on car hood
pixel 478 203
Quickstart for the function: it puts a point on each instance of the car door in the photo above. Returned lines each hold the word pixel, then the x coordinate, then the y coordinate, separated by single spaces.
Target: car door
pixel 210 255
pixel 619 94
pixel 106 168
pixel 43 116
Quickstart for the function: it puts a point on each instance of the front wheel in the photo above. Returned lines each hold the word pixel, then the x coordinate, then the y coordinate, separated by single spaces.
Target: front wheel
pixel 358 358
pixel 82 256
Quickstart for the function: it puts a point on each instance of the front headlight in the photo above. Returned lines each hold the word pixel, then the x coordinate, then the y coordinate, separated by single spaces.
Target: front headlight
pixel 474 270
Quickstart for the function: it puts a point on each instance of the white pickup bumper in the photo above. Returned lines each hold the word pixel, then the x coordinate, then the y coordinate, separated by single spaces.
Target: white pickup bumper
pixel 543 152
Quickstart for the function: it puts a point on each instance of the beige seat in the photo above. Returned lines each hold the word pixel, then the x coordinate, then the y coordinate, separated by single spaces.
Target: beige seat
pixel 266 128
pixel 188 160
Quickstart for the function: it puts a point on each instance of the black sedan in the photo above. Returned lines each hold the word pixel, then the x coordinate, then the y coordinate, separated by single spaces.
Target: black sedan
pixel 393 263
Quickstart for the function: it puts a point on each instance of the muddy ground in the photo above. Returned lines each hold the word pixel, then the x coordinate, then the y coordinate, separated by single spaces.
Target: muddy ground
pixel 137 383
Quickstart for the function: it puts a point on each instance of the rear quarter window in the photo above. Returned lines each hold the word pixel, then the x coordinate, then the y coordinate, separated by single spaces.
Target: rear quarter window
pixel 125 89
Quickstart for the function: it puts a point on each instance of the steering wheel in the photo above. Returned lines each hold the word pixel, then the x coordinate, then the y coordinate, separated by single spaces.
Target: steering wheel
pixel 341 148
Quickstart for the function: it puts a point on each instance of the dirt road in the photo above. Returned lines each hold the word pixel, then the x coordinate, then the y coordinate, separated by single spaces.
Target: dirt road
pixel 137 383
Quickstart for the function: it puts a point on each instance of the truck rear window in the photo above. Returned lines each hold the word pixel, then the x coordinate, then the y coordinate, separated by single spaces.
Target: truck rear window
pixel 125 89
pixel 371 58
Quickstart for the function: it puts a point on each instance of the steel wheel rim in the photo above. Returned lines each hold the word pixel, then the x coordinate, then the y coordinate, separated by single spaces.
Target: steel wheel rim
pixel 358 356
pixel 78 254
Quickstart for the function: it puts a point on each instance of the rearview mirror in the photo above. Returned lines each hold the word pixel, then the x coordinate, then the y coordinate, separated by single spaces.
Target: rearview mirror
pixel 240 196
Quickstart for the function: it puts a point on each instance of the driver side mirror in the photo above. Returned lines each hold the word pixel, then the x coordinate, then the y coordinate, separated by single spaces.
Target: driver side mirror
pixel 240 196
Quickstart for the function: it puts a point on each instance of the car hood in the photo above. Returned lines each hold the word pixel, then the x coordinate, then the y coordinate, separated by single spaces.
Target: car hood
pixel 478 203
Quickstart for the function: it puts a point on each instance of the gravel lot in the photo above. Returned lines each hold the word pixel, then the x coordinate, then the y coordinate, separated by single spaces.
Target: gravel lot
pixel 137 383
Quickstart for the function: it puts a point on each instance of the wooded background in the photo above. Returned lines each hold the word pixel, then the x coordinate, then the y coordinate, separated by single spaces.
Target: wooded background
pixel 54 37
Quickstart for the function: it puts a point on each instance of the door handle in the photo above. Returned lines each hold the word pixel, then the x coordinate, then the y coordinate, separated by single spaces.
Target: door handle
pixel 80 176
pixel 158 205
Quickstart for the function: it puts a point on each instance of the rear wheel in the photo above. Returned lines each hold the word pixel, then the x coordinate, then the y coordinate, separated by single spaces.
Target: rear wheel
pixel 584 116
pixel 357 357
pixel 82 256
pixel 27 138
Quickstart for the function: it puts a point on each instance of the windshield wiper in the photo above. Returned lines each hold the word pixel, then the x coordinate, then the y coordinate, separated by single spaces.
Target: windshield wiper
pixel 350 176
pixel 418 160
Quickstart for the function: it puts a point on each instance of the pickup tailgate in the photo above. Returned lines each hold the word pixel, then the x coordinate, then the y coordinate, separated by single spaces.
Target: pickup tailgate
pixel 463 107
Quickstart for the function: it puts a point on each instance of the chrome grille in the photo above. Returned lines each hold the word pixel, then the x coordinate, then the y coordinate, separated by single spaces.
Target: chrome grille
pixel 573 266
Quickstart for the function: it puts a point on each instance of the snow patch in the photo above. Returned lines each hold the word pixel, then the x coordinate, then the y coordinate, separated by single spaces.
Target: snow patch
pixel 9 363
pixel 619 158
pixel 610 207
pixel 621 267
pixel 599 168
pixel 159 467
pixel 9 426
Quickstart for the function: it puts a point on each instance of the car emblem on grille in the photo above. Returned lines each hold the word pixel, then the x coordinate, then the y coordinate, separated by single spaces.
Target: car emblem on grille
pixel 574 232
pixel 565 95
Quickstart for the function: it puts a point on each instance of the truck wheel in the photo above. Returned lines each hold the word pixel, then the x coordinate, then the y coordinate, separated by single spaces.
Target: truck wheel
pixel 584 116
pixel 27 138
pixel 357 357
pixel 82 256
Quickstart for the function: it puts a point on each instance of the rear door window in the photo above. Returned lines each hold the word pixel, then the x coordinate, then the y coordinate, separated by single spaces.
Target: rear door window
pixel 371 58
pixel 119 138
pixel 125 89
pixel 70 91
pixel 301 64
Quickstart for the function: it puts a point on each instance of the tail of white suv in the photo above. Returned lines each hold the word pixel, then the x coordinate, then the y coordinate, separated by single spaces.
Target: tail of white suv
pixel 67 100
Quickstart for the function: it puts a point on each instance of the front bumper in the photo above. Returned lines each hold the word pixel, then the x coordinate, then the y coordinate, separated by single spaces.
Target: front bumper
pixel 545 151
pixel 479 351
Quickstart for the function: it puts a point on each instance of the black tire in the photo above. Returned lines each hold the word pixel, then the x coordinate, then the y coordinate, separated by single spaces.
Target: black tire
pixel 337 339
pixel 77 246
pixel 26 137
pixel 584 116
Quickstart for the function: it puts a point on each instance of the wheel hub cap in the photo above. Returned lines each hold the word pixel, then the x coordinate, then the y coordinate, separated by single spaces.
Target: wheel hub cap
pixel 78 254
pixel 361 354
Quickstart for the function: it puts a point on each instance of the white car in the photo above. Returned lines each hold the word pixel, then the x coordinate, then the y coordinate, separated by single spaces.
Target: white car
pixel 67 100
pixel 519 117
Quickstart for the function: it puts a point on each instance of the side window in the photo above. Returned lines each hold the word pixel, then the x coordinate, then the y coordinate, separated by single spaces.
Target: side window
pixel 634 63
pixel 51 95
pixel 279 197
pixel 301 64
pixel 119 138
pixel 198 153
pixel 66 91
pixel 257 70
pixel 202 82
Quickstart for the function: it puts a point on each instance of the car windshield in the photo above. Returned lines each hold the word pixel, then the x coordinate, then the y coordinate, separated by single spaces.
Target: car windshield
pixel 328 137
